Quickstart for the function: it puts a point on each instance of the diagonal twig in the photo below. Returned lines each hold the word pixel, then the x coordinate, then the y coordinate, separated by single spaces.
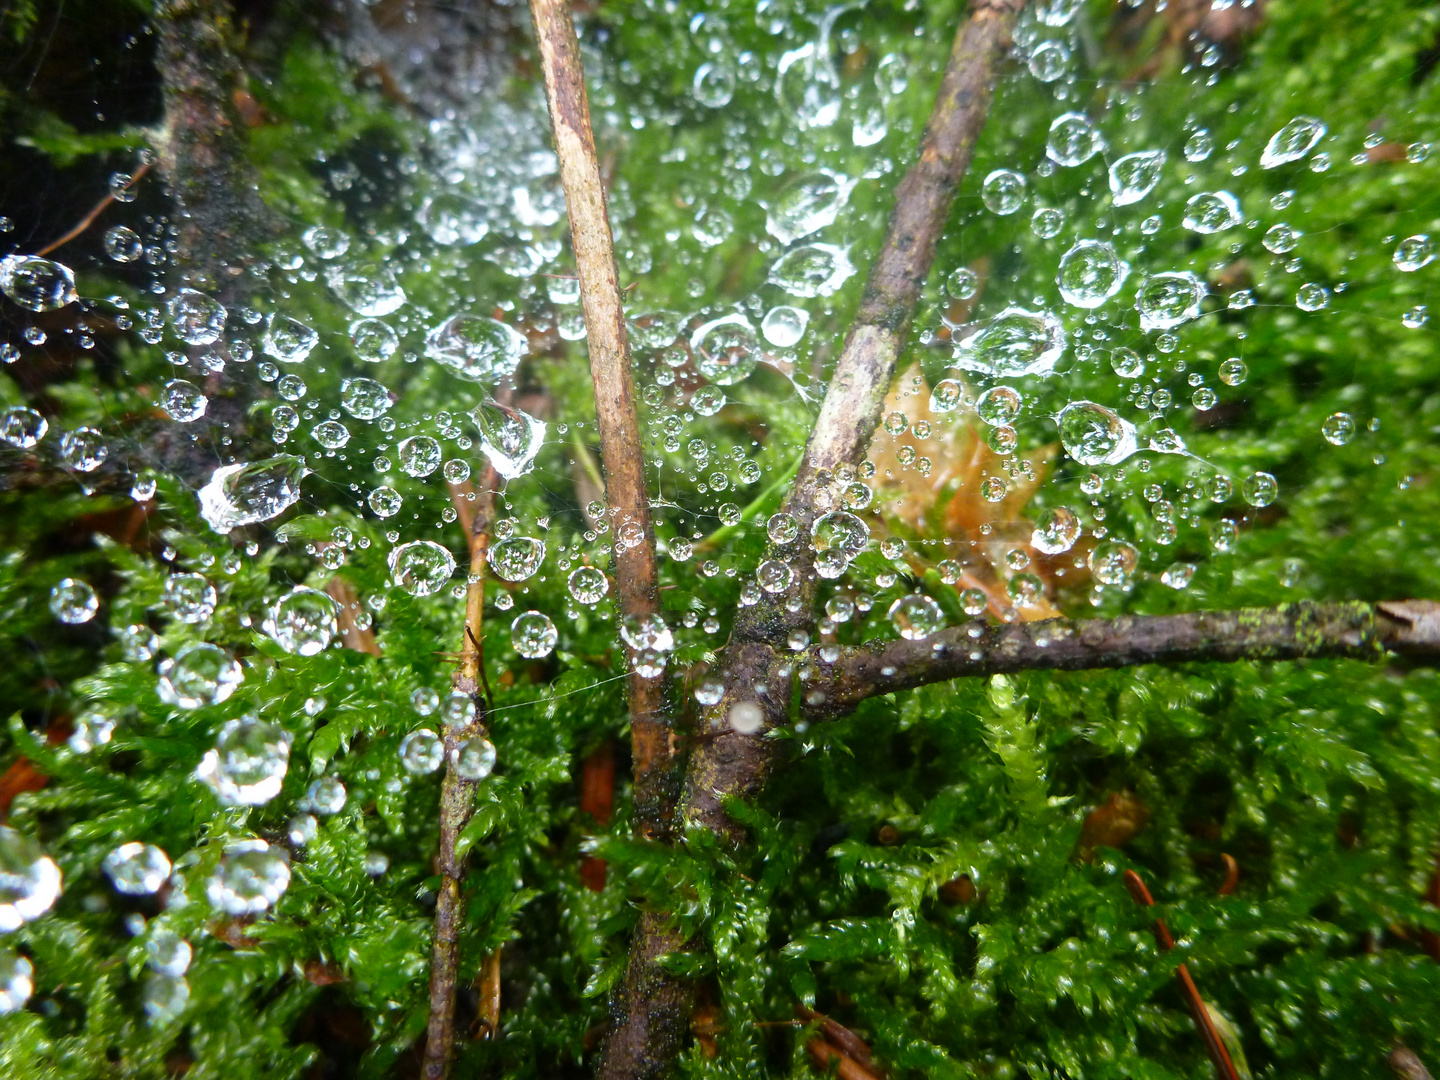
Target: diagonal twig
pixel 622 456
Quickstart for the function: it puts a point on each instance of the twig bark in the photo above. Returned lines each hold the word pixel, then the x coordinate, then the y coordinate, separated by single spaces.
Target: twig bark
pixel 628 506
pixel 651 1010
pixel 1291 632
pixel 457 798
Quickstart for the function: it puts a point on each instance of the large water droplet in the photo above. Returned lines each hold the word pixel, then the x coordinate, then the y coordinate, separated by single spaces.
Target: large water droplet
pixel 369 290
pixel 516 558
pixel 451 218
pixel 1414 252
pixel 198 675
pixel 198 319
pixel 374 340
pixel 1094 435
pixel 22 428
pixel 29 880
pixel 421 567
pixel 83 449
pixel 72 601
pixel 36 283
pixel 812 270
pixel 1014 342
pixel 1292 142
pixel 248 764
pixel 509 438
pixel 916 616
pixel 841 532
pixel 1113 562
pixel 726 349
pixel 1056 531
pixel 137 869
pixel 714 84
pixel 588 585
pixel 287 339
pixel 1167 300
pixel 1134 176
pixel 184 401
pixel 783 326
pixel 1003 191
pixel 806 204
pixel 189 598
pixel 302 621
pixel 17 981
pixel 365 399
pixel 533 635
pixel 1091 273
pixel 249 879
pixel 647 633
pixel 477 348
pixel 421 752
pixel 1211 212
pixel 1073 139
pixel 419 455
pixel 473 759
pixel 249 493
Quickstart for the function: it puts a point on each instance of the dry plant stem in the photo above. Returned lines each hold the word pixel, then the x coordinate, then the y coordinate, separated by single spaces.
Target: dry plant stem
pixel 456 800
pixel 651 1011
pixel 628 506
pixel 95 212
pixel 1214 1046
pixel 1290 632
pixel 1406 1064
pixel 862 375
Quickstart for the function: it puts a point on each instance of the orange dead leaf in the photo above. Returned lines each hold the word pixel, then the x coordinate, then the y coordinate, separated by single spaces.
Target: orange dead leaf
pixel 1112 824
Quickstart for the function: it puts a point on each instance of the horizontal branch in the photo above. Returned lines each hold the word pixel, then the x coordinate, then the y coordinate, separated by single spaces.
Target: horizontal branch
pixel 1289 632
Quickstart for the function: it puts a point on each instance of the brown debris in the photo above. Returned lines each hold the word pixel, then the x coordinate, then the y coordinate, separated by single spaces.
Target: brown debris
pixel 1113 824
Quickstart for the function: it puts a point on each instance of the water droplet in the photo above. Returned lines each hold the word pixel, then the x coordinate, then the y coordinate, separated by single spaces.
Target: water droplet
pixel 167 952
pixel 421 752
pixel 782 528
pixel 1014 342
pixel 533 635
pixel 374 340
pixel 999 405
pixel 1049 61
pixel 916 616
pixel 1312 297
pixel 1414 252
pixel 250 878
pixel 1338 428
pixel 302 621
pixel 421 567
pixel 509 438
pixel 73 602
pixel 714 84
pixel 1095 435
pixel 1126 363
pixel 805 205
pixel 22 428
pixel 1211 212
pixel 420 455
pixel 184 401
pixel 1199 146
pixel 83 449
pixel 516 558
pixel 726 349
pixel 385 501
pixel 1134 176
pixel 589 585
pixel 774 576
pixel 1292 142
pixel 1091 273
pixel 36 283
pixel 783 326
pixel 190 598
pixel 364 399
pixel 1056 531
pixel 17 981
pixel 1281 238
pixel 249 761
pixel 197 319
pixel 287 339
pixel 1113 562
pixel 474 759
pixel 963 283
pixel 812 270
pixel 123 244
pixel 1179 575
pixel 945 397
pixel 1073 140
pixel 368 290
pixel 29 880
pixel 1003 191
pixel 200 674
pixel 647 633
pixel 1047 222
pixel 477 348
pixel 1167 300
pixel 841 532
pixel 708 400
pixel 1260 489
pixel 745 718
pixel 325 242
pixel 137 869
pixel 1233 371
pixel 249 493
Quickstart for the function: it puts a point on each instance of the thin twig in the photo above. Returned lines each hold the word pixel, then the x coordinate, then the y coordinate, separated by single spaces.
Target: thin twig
pixel 622 455
pixel 456 800
pixel 96 211
pixel 1214 1046
pixel 1303 630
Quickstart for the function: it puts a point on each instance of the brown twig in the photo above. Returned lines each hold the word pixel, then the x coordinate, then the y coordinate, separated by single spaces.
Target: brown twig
pixel 487 1023
pixel 1214 1046
pixel 95 212
pixel 456 800
pixel 1232 875
pixel 1298 631
pixel 1406 1064
pixel 627 502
